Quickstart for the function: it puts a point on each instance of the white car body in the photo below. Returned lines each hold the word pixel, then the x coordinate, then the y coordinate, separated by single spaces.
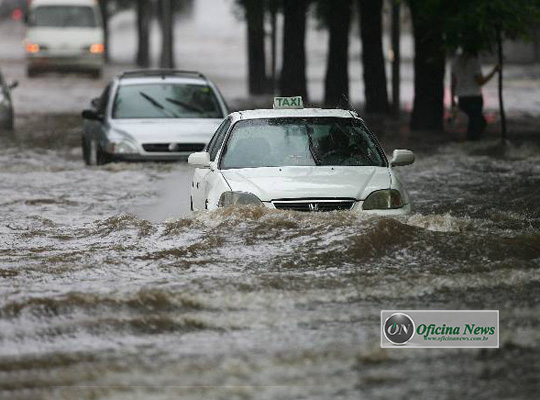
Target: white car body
pixel 55 47
pixel 151 139
pixel 303 188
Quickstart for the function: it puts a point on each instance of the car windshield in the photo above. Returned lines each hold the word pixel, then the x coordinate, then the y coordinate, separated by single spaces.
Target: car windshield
pixel 64 16
pixel 166 100
pixel 280 142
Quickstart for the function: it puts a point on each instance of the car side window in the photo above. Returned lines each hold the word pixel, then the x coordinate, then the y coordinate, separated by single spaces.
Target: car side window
pixel 217 140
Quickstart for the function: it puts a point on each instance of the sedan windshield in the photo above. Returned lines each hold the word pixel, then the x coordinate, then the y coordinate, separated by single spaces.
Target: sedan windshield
pixel 280 142
pixel 166 100
pixel 64 16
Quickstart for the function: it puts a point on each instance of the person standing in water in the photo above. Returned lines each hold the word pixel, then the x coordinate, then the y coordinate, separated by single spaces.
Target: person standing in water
pixel 467 82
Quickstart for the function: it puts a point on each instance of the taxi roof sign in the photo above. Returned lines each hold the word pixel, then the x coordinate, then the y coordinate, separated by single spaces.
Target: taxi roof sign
pixel 288 102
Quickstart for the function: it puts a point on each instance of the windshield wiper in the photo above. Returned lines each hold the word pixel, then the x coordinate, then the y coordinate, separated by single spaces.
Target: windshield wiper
pixel 312 148
pixel 185 105
pixel 157 104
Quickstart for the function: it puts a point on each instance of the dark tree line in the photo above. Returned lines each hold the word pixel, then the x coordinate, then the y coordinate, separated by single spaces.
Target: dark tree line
pixel 438 26
pixel 336 16
pixel 146 10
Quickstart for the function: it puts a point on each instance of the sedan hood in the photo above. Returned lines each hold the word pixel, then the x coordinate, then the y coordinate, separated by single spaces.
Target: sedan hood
pixel 308 182
pixel 168 131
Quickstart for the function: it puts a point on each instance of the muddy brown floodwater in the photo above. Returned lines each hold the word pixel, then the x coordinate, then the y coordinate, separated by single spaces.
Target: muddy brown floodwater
pixel 111 289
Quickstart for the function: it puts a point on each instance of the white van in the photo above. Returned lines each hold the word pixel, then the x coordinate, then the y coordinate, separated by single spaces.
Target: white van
pixel 64 35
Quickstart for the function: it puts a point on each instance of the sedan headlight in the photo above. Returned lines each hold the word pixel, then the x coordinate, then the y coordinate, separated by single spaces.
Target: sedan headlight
pixel 383 200
pixel 238 199
pixel 123 147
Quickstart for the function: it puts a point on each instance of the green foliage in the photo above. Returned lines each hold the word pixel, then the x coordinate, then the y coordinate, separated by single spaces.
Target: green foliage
pixel 474 24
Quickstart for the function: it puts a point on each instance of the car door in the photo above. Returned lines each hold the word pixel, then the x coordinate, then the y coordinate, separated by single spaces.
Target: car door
pixel 200 176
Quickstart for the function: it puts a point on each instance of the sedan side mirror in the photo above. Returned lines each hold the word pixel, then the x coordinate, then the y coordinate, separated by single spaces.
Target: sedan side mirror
pixel 92 115
pixel 200 159
pixel 13 85
pixel 402 157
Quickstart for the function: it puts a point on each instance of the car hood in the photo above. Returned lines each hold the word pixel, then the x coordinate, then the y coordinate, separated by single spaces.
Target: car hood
pixel 65 37
pixel 167 131
pixel 308 182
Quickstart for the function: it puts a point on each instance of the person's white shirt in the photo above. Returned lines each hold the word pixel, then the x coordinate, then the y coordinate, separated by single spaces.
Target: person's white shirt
pixel 466 69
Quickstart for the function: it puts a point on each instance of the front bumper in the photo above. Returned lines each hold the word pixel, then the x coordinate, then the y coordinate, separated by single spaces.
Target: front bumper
pixel 357 209
pixel 83 62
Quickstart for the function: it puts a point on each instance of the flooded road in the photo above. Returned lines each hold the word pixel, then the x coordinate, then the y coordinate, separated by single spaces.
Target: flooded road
pixel 111 289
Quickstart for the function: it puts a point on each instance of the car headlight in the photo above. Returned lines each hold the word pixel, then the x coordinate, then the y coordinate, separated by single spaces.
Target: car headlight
pixel 383 200
pixel 238 199
pixel 123 147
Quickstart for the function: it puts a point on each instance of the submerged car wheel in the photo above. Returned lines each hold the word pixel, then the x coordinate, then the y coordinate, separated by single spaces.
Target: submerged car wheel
pixel 93 155
pixel 102 158
pixel 86 152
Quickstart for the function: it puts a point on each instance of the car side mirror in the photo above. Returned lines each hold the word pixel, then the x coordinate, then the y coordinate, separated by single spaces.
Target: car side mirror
pixel 13 85
pixel 92 115
pixel 401 158
pixel 200 159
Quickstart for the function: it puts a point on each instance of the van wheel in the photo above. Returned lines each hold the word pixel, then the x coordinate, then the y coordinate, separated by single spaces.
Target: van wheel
pixel 95 74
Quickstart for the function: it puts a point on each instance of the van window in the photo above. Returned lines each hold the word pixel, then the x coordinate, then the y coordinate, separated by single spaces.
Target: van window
pixel 64 16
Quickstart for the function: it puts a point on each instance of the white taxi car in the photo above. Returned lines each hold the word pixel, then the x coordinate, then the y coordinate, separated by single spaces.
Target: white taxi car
pixel 303 159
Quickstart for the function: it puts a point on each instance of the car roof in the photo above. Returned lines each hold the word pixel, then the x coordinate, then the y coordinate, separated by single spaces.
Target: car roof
pixel 291 113
pixel 35 3
pixel 149 76
pixel 155 79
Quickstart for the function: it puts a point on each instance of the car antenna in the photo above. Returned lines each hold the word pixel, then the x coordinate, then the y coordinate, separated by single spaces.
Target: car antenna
pixel 349 105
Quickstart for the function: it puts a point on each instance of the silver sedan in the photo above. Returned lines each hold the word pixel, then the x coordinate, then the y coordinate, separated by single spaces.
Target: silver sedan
pixel 152 115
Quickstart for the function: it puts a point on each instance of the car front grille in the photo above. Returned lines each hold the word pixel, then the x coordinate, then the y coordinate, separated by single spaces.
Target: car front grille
pixel 315 205
pixel 173 147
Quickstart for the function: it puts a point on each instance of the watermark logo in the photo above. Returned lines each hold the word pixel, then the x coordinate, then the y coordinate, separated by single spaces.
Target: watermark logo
pixel 399 328
pixel 440 328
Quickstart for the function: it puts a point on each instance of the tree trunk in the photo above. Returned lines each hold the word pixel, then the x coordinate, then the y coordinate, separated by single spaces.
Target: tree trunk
pixel 429 65
pixel 273 11
pixel 143 31
pixel 103 7
pixel 336 85
pixel 256 55
pixel 396 60
pixel 372 56
pixel 293 73
pixel 167 42
pixel 501 102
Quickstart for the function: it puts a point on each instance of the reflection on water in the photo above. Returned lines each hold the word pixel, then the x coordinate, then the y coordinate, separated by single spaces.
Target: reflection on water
pixel 111 289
